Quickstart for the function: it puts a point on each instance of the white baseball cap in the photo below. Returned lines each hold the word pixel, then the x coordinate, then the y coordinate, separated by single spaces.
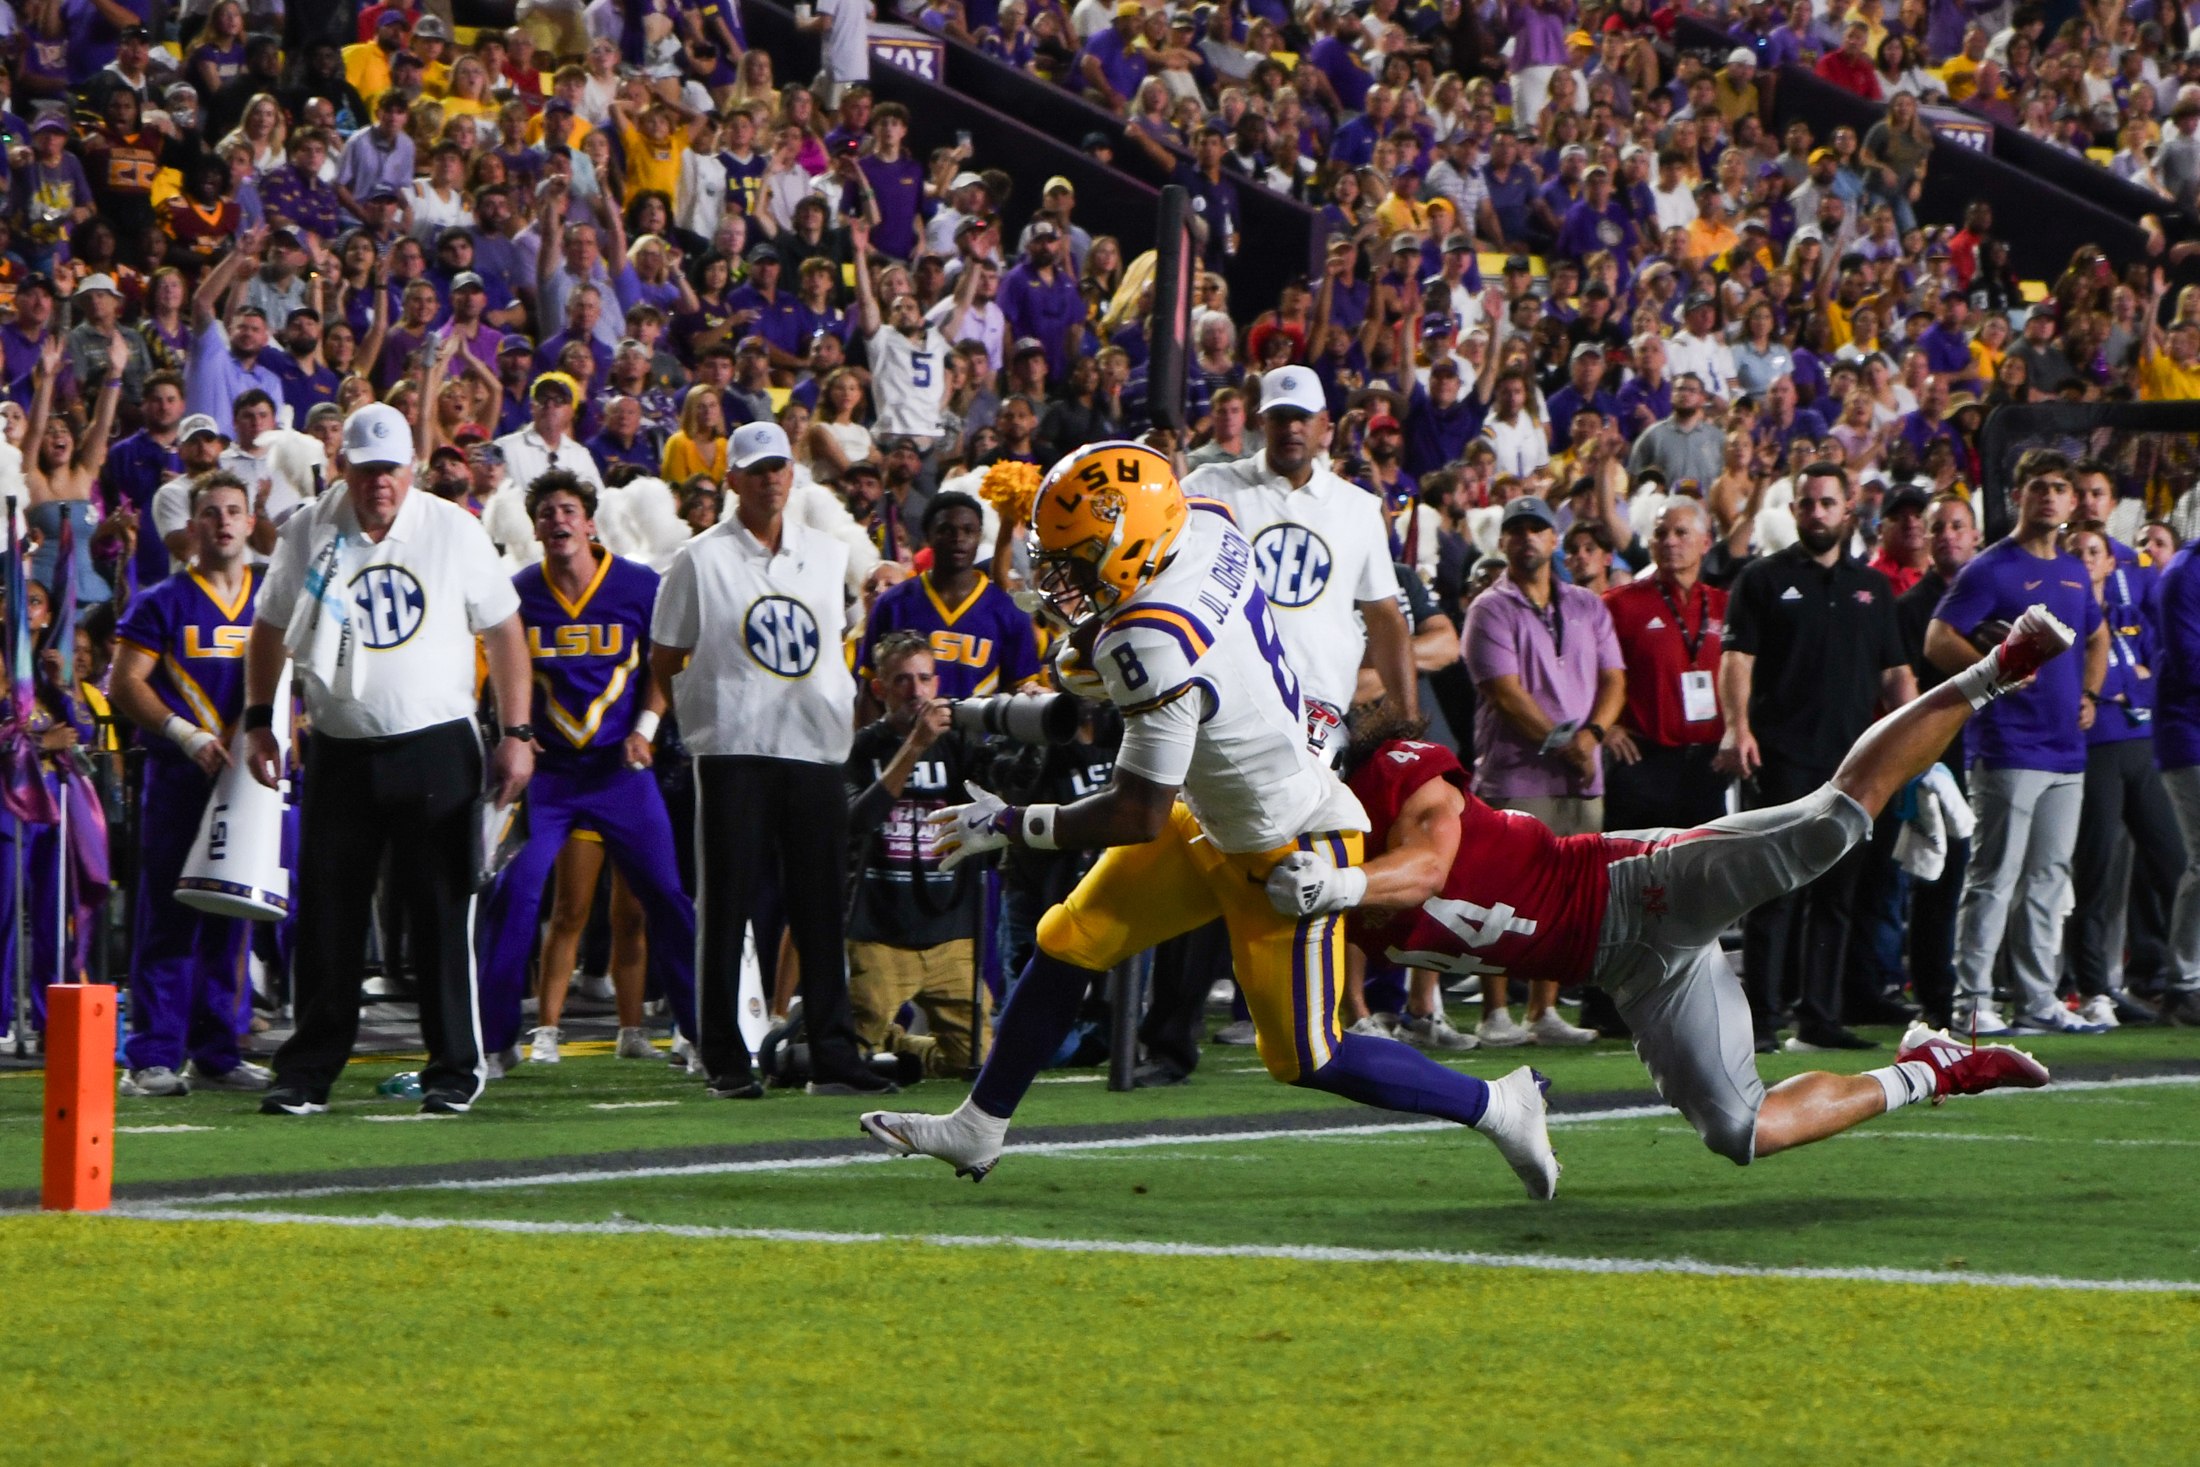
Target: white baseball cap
pixel 377 434
pixel 1296 388
pixel 755 443
pixel 196 424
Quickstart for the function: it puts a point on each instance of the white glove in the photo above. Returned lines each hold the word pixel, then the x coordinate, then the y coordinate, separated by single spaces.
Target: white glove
pixel 962 831
pixel 1305 883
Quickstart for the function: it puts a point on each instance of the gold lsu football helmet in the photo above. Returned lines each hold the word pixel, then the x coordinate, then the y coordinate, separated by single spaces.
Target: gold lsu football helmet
pixel 1103 523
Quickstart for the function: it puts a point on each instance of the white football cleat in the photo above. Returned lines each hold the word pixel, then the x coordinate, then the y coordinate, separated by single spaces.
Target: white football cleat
pixel 634 1044
pixel 1238 1032
pixel 1376 1024
pixel 969 1140
pixel 594 986
pixel 2100 1012
pixel 243 1076
pixel 1434 1032
pixel 154 1081
pixel 1984 1019
pixel 1515 1121
pixel 1549 1028
pixel 542 1046
pixel 1499 1031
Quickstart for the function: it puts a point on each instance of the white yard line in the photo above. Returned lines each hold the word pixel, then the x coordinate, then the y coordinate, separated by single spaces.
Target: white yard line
pixel 631 1104
pixel 1282 1252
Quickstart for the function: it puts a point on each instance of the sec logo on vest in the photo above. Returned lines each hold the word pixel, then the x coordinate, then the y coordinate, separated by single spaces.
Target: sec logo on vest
pixel 1293 564
pixel 388 606
pixel 782 635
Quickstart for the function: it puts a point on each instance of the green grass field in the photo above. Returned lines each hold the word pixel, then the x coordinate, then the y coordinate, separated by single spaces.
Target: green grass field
pixel 708 1279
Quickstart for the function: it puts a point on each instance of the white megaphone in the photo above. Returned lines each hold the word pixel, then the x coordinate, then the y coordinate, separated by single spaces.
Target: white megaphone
pixel 755 1005
pixel 236 866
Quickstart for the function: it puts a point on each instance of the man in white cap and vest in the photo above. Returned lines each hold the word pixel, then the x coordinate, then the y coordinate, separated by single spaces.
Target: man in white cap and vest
pixel 377 595
pixel 747 635
pixel 1321 554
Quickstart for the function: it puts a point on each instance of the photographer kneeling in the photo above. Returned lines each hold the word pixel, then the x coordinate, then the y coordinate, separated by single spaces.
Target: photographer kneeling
pixel 910 927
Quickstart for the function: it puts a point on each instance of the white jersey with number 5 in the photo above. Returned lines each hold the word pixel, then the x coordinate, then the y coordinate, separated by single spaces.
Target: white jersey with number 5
pixel 1209 703
pixel 907 380
pixel 1318 551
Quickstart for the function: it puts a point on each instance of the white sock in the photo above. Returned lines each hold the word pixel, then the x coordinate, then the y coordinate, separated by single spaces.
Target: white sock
pixel 1905 1083
pixel 1981 682
pixel 986 1125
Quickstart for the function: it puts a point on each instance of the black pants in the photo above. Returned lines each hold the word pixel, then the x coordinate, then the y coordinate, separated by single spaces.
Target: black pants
pixel 413 794
pixel 1797 945
pixel 1933 926
pixel 755 820
pixel 2123 790
pixel 1184 972
pixel 1671 785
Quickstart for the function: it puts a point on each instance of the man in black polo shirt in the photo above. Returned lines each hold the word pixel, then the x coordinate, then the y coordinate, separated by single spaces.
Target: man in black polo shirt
pixel 1952 535
pixel 1811 649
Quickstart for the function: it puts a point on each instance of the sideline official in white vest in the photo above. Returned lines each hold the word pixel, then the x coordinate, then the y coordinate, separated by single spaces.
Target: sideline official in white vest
pixel 747 634
pixel 1322 555
pixel 377 595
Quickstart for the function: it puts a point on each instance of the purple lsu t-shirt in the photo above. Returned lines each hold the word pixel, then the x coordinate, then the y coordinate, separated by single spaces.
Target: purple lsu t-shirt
pixel 899 188
pixel 2036 728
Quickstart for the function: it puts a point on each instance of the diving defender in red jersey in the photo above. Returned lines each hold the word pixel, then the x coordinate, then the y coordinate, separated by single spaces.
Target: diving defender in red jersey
pixel 1462 888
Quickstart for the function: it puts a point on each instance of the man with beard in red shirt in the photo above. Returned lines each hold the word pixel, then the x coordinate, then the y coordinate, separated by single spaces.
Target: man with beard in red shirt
pixel 1461 888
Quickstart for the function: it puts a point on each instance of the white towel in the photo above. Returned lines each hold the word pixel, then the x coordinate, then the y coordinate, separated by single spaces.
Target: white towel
pixel 1922 846
pixel 1956 809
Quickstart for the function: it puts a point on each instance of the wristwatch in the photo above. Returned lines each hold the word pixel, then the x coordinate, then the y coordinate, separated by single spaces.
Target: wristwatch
pixel 524 732
pixel 1594 731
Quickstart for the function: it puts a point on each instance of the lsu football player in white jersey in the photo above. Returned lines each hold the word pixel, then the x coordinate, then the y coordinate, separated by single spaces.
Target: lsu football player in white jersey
pixel 1214 788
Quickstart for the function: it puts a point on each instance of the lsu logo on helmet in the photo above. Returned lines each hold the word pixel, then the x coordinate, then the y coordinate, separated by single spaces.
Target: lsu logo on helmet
pixel 1103 523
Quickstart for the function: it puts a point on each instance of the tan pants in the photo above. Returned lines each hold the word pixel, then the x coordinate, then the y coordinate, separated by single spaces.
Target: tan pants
pixel 937 980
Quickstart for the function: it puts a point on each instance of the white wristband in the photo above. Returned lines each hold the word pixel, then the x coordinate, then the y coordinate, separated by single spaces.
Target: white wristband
pixel 1349 886
pixel 183 732
pixel 646 725
pixel 1038 826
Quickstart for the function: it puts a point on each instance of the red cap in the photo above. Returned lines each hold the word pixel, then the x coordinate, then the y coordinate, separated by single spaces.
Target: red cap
pixel 1381 421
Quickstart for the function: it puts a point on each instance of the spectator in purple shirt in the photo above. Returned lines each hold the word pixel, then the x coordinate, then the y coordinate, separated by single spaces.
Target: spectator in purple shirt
pixel 1598 222
pixel 1539 30
pixel 1946 346
pixel 1930 420
pixel 1646 398
pixel 1548 666
pixel 1782 422
pixel 1040 299
pixel 1337 57
pixel 1110 67
pixel 1584 393
pixel 293 195
pixel 20 340
pixel 2027 754
pixel 2177 753
pixel 377 157
pixel 891 182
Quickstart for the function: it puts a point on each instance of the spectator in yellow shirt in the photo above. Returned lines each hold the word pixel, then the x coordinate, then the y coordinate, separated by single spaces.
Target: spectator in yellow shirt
pixel 655 141
pixel 1960 74
pixel 367 65
pixel 2171 375
pixel 1711 235
pixel 431 42
pixel 700 445
pixel 1403 212
pixel 1735 85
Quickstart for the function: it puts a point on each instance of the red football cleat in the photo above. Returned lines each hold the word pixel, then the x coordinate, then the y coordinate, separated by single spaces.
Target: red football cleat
pixel 1969 1069
pixel 2035 639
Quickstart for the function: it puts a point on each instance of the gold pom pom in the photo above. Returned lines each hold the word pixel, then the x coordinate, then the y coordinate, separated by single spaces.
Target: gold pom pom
pixel 1009 488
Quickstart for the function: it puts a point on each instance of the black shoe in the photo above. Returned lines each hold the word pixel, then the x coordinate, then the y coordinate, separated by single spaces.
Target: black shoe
pixel 1885 1011
pixel 736 1087
pixel 2181 1006
pixel 291 1100
pixel 852 1082
pixel 2130 1009
pixel 1155 1076
pixel 1828 1039
pixel 446 1103
pixel 1768 1046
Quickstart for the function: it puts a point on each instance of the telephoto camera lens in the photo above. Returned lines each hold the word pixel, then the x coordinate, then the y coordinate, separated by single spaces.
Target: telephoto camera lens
pixel 1049 720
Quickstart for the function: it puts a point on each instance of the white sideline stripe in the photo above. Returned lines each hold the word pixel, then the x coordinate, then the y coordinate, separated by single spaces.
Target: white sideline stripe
pixel 1283 1252
pixel 158 1130
pixel 823 1163
pixel 631 1104
pixel 820 1163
